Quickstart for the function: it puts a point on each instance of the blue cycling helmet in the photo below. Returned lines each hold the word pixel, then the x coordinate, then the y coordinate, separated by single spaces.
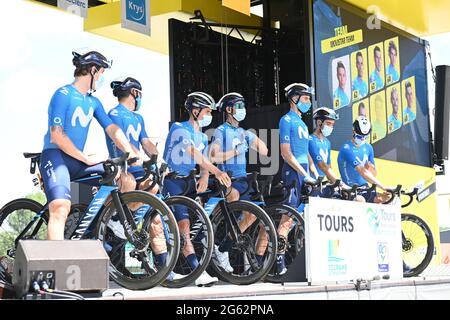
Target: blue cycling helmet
pixel 199 100
pixel 91 57
pixel 124 85
pixel 232 99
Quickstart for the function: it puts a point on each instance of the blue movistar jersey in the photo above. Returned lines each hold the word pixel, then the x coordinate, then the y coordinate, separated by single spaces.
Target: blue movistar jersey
pixel 181 136
pixel 293 131
pixel 320 151
pixel 408 115
pixel 350 157
pixel 131 123
pixel 396 123
pixel 375 77
pixel 361 86
pixel 73 112
pixel 228 137
pixel 342 98
pixel 391 71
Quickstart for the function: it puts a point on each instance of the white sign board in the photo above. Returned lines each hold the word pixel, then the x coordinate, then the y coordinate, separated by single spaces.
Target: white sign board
pixel 78 7
pixel 347 240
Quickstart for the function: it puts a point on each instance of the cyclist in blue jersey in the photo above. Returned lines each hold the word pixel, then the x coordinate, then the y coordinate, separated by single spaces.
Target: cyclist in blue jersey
pixel 394 120
pixel 359 86
pixel 357 164
pixel 294 139
pixel 70 112
pixel 186 146
pixel 376 76
pixel 320 147
pixel 340 97
pixel 391 72
pixel 129 94
pixel 408 113
pixel 228 148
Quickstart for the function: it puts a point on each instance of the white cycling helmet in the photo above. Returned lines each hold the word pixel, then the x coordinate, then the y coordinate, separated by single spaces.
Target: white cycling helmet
pixel 362 126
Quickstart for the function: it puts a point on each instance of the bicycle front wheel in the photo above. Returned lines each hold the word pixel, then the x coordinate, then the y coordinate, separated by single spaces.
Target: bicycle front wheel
pixel 200 237
pixel 250 260
pixel 137 268
pixel 417 244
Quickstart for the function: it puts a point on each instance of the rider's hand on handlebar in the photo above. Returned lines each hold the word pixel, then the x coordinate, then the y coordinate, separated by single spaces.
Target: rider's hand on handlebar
pixel 223 178
pixel 309 179
pixel 202 184
pixel 344 186
pixel 138 162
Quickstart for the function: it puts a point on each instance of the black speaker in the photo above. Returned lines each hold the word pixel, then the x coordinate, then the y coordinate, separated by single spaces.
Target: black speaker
pixel 442 114
pixel 70 265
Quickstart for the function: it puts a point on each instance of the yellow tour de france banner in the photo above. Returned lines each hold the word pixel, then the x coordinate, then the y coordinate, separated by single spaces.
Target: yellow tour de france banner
pixel 242 6
pixel 342 38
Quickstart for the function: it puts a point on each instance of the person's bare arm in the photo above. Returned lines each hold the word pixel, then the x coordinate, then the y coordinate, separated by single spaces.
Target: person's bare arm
pixel 59 137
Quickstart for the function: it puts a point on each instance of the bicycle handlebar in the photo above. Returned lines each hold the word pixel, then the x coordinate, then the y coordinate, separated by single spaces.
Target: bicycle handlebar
pixel 111 167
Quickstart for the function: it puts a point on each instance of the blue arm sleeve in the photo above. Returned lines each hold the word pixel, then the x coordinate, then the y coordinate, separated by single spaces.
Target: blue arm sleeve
pixel 143 134
pixel 250 137
pixel 101 115
pixel 371 156
pixel 313 151
pixel 285 131
pixel 58 108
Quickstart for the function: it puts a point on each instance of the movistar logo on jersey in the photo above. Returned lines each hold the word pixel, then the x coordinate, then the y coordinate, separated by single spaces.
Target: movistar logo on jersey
pixel 133 133
pixel 324 154
pixel 303 132
pixel 83 119
pixel 362 161
pixel 135 11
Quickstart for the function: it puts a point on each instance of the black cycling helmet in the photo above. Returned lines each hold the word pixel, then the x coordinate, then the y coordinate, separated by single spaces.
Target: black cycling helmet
pixel 230 100
pixel 199 100
pixel 91 57
pixel 124 85
pixel 298 89
pixel 325 114
pixel 362 126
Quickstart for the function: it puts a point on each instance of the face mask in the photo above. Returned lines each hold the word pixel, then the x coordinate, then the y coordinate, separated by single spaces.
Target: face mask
pixel 326 130
pixel 240 115
pixel 359 140
pixel 206 121
pixel 303 107
pixel 138 103
pixel 99 83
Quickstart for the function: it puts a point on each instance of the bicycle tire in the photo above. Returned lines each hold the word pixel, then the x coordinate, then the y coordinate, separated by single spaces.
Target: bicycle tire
pixel 235 253
pixel 35 207
pixel 202 251
pixel 123 276
pixel 295 240
pixel 410 245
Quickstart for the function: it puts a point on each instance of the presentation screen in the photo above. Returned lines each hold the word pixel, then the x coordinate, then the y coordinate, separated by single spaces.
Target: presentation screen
pixel 362 68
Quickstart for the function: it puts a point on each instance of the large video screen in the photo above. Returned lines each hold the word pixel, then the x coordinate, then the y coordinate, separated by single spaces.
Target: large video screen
pixel 376 72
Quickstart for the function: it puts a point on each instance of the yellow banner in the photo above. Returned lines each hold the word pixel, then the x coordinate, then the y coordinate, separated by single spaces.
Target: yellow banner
pixel 341 41
pixel 242 6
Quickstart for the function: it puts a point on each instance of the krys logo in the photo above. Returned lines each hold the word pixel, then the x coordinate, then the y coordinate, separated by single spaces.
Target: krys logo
pixel 136 11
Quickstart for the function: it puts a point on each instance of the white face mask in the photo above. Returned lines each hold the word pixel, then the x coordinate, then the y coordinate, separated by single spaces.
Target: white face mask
pixel 206 121
pixel 327 130
pixel 240 115
pixel 360 141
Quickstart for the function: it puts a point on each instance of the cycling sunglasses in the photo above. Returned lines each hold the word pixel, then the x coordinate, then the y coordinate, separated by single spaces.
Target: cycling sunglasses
pixel 358 136
pixel 239 105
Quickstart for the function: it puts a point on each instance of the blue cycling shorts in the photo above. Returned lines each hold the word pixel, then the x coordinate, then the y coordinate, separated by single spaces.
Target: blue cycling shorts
pixel 288 175
pixel 58 169
pixel 369 196
pixel 241 186
pixel 174 187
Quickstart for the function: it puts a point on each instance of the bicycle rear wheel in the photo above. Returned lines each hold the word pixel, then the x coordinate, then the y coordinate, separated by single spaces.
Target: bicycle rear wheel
pixel 295 241
pixel 417 244
pixel 201 237
pixel 242 254
pixel 136 268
